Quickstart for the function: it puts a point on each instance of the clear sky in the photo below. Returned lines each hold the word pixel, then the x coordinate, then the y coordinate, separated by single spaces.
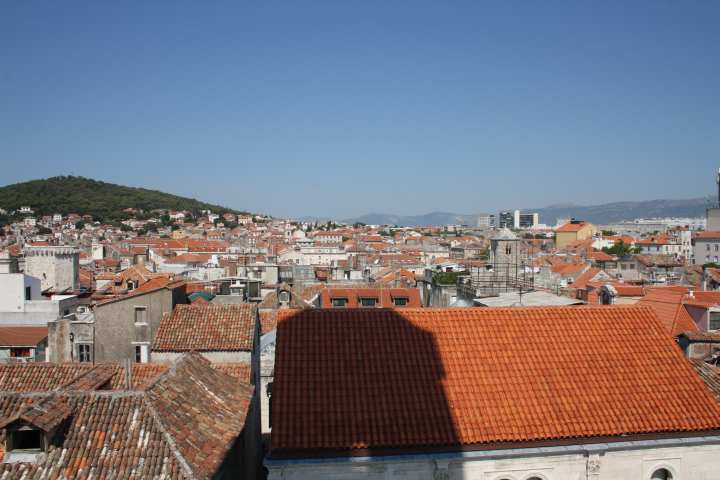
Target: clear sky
pixel 338 108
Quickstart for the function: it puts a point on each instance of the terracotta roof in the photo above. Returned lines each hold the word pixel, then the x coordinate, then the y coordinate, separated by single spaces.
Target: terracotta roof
pixel 710 234
pixel 240 371
pixel 142 375
pixel 600 256
pixel 385 297
pixel 587 276
pixel 19 336
pixel 268 321
pixel 571 227
pixel 710 375
pixel 202 409
pixel 703 337
pixel 182 426
pixel 432 377
pixel 150 286
pixel 39 376
pixel 669 308
pixel 565 269
pixel 189 258
pixel 202 328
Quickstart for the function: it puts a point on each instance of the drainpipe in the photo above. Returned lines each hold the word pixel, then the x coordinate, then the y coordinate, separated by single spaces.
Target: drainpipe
pixel 592 470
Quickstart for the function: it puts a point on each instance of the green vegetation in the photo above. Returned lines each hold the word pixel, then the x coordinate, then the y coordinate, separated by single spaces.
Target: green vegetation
pixel 609 233
pixel 106 202
pixel 447 278
pixel 620 249
pixel 711 265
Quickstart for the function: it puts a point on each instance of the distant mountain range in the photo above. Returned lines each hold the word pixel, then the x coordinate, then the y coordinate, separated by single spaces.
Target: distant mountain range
pixel 598 214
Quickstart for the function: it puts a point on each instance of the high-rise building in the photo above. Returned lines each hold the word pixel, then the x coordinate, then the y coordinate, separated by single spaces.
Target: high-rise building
pixel 486 220
pixel 506 219
pixel 528 220
pixel 517 219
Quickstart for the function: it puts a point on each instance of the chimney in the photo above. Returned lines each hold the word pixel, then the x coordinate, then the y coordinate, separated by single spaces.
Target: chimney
pixel 704 278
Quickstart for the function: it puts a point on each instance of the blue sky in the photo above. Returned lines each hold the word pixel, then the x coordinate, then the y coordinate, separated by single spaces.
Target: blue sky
pixel 340 108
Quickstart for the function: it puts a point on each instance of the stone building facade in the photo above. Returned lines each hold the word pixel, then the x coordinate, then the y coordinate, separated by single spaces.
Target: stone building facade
pixel 125 327
pixel 57 267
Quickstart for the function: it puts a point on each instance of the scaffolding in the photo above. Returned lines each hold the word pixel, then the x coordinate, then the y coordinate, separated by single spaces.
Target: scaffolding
pixel 492 280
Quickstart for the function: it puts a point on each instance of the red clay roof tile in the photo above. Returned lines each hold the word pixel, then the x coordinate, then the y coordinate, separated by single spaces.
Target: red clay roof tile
pixel 208 327
pixel 383 379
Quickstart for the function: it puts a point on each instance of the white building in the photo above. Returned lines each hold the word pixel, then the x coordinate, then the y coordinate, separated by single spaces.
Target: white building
pixel 328 237
pixel 660 245
pixel 706 248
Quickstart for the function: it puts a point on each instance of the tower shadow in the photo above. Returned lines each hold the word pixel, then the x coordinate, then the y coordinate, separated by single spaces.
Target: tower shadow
pixel 358 382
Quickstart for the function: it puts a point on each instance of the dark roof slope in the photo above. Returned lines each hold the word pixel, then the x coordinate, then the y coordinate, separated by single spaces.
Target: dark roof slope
pixel 383 379
pixel 182 426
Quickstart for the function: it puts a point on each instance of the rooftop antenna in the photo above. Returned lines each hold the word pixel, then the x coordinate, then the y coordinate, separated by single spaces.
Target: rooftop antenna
pixel 717 180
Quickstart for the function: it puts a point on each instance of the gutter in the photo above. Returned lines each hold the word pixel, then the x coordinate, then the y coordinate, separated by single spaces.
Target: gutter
pixel 588 449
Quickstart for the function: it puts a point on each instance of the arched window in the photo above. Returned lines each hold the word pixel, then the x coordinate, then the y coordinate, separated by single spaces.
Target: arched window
pixel 662 474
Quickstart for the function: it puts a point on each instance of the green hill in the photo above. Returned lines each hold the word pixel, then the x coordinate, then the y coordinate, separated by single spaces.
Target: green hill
pixel 104 201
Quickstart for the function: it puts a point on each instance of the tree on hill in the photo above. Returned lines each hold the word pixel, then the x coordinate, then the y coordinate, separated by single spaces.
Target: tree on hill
pixel 106 202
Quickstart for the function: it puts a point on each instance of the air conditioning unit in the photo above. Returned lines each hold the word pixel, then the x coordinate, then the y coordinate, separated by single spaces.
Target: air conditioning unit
pixel 82 309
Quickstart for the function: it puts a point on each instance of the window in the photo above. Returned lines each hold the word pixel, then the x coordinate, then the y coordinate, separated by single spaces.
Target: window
pixel 368 302
pixel 400 301
pixel 141 354
pixel 707 247
pixel 28 293
pixel 26 439
pixel 661 474
pixel 339 302
pixel 19 352
pixel 716 247
pixel 130 285
pixel 714 320
pixel 84 353
pixel 140 314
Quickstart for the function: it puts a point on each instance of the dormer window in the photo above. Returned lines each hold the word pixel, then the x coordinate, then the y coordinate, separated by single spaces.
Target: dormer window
pixel 713 320
pixel 30 430
pixel 400 301
pixel 368 302
pixel 339 302
pixel 25 439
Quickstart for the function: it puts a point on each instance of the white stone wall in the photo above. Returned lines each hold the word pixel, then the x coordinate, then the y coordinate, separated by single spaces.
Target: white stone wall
pixel 12 291
pixel 56 267
pixel 692 462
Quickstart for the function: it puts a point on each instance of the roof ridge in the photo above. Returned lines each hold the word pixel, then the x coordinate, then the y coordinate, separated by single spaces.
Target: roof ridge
pixel 172 445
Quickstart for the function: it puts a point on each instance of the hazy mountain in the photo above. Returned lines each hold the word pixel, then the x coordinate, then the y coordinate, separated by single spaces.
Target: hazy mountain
pixel 599 214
